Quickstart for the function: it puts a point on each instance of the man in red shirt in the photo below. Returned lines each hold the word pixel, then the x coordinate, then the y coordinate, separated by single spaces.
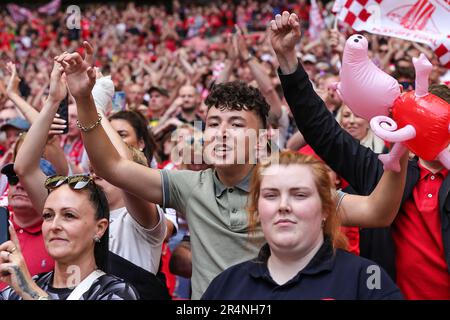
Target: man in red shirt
pixel 27 223
pixel 420 256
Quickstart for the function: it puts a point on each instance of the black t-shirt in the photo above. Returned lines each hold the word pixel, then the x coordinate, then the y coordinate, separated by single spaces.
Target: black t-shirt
pixel 146 283
pixel 192 123
pixel 329 275
pixel 61 293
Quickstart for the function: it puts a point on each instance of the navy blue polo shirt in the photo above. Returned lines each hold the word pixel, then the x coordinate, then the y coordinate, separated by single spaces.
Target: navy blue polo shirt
pixel 329 275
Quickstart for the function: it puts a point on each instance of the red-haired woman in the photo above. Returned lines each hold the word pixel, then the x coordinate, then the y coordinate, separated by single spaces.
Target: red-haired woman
pixel 293 201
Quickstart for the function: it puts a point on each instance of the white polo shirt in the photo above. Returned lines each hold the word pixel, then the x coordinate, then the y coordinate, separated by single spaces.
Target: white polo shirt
pixel 131 241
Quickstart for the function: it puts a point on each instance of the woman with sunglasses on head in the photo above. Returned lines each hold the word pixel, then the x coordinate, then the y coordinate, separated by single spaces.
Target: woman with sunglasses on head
pixel 292 199
pixel 75 229
pixel 137 227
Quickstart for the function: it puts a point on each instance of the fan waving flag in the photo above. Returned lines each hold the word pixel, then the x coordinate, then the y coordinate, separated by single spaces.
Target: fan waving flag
pixel 424 21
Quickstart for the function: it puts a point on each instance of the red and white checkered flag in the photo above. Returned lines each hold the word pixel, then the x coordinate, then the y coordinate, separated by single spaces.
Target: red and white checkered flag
pixel 337 6
pixel 425 21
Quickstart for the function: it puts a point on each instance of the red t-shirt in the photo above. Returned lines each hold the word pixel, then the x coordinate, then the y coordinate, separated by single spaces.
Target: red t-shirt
pixel 171 280
pixel 420 260
pixel 36 256
pixel 74 150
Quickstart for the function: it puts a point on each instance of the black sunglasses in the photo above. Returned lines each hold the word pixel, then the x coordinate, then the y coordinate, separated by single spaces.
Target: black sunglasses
pixel 406 85
pixel 13 179
pixel 76 182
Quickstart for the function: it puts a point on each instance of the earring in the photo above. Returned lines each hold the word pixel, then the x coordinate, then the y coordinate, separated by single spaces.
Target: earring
pixel 97 239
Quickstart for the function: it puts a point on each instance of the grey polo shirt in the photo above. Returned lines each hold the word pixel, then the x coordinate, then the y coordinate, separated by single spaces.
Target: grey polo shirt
pixel 217 220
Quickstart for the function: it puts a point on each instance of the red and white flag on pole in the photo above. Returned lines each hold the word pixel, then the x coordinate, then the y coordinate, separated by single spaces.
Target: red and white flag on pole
pixel 424 21
pixel 316 23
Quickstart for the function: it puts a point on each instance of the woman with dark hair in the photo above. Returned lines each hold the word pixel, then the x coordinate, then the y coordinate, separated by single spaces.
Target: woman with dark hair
pixel 75 230
pixel 137 228
pixel 132 128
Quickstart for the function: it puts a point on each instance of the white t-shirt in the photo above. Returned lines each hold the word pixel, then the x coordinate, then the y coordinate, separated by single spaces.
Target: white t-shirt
pixel 131 241
pixel 171 215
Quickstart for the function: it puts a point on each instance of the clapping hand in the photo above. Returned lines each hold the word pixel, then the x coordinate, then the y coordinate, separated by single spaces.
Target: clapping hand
pixel 80 74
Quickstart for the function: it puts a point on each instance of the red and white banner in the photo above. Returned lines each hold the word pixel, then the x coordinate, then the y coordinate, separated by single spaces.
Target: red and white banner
pixel 425 21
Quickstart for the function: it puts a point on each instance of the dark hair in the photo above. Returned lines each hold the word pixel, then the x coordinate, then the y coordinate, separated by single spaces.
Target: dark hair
pixel 139 124
pixel 403 72
pixel 441 91
pixel 98 199
pixel 237 95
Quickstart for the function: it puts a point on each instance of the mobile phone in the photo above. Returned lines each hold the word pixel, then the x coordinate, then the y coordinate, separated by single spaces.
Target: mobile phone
pixel 4 224
pixel 119 101
pixel 63 111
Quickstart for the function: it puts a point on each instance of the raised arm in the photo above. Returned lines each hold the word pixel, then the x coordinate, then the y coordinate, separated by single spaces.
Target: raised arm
pixel 344 154
pixel 28 158
pixel 182 58
pixel 296 141
pixel 380 208
pixel 144 212
pixel 129 176
pixel 262 78
pixel 55 154
pixel 232 55
pixel 13 93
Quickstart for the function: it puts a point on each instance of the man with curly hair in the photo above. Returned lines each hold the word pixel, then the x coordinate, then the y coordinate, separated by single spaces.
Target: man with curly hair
pixel 213 200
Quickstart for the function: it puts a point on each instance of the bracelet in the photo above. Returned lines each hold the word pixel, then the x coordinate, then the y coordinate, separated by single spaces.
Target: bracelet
pixel 86 129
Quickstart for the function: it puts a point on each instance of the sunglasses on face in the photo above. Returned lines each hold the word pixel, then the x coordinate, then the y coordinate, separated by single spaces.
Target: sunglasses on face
pixel 76 182
pixel 13 180
pixel 407 85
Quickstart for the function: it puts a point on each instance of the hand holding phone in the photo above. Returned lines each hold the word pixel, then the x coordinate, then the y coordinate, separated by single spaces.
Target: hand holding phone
pixel 63 111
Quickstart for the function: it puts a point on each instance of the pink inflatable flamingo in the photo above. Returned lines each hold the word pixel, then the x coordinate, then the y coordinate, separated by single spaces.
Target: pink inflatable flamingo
pixel 423 119
pixel 363 87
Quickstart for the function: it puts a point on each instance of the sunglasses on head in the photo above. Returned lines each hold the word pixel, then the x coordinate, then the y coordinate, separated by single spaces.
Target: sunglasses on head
pixel 76 182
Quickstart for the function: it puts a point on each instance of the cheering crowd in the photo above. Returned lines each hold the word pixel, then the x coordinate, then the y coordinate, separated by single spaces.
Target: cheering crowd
pixel 206 154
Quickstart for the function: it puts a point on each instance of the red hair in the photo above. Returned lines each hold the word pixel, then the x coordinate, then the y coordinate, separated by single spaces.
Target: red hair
pixel 323 184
